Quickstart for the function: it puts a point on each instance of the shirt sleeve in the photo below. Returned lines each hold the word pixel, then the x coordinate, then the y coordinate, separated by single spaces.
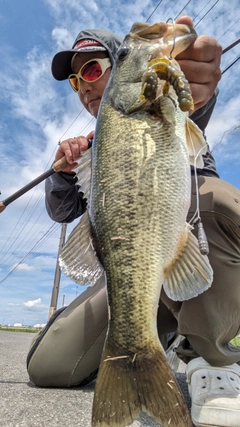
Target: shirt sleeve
pixel 201 117
pixel 64 202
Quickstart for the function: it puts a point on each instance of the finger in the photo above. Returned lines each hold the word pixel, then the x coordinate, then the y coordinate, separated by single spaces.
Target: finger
pixel 82 143
pixel 196 72
pixel 185 19
pixel 203 49
pixel 69 149
pixel 201 93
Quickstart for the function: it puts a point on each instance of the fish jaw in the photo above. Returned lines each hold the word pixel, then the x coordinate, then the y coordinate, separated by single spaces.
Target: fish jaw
pixel 171 38
pixel 141 47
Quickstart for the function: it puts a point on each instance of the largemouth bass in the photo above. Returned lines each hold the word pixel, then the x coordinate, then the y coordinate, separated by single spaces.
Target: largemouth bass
pixel 135 228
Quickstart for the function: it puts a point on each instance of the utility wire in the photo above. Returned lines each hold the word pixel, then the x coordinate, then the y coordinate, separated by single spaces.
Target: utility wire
pixel 207 13
pixel 80 112
pixel 230 65
pixel 36 246
pixel 226 49
pixel 229 29
pixel 25 223
pixel 202 10
pixel 182 10
pixel 154 10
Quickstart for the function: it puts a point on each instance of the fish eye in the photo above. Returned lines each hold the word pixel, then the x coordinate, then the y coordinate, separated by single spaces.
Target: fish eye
pixel 123 52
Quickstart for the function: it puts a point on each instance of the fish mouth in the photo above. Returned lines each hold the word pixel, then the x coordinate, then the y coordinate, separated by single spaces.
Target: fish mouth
pixel 167 38
pixel 179 36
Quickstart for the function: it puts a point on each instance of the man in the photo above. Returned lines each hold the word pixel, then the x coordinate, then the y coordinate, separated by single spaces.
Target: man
pixel 68 350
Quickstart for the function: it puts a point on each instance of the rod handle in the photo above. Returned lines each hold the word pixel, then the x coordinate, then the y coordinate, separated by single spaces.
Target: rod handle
pixel 2 207
pixel 60 164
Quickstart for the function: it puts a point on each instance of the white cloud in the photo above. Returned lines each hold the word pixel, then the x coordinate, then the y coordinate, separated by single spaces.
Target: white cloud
pixel 24 267
pixel 62 38
pixel 39 325
pixel 34 303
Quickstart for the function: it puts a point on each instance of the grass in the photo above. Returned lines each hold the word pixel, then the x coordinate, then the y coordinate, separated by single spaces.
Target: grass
pixel 236 341
pixel 10 329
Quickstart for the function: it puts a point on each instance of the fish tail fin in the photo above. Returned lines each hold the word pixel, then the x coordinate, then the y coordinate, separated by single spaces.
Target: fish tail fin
pixel 127 385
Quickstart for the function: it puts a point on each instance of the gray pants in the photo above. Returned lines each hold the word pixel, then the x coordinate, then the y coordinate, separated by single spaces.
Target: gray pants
pixel 69 351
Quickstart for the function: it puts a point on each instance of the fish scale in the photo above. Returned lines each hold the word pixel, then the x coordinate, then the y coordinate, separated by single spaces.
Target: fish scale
pixel 131 221
pixel 136 223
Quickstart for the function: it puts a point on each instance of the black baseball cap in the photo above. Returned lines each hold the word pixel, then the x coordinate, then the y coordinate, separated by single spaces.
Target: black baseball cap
pixel 86 41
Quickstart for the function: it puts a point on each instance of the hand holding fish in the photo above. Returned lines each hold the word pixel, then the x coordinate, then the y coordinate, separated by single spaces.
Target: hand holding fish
pixel 200 63
pixel 72 148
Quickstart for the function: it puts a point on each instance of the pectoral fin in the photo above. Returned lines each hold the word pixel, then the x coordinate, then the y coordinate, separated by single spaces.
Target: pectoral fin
pixel 78 259
pixel 196 144
pixel 83 172
pixel 190 274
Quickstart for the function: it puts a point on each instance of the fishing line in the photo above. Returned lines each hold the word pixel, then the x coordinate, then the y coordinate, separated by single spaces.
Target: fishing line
pixel 224 133
pixel 196 218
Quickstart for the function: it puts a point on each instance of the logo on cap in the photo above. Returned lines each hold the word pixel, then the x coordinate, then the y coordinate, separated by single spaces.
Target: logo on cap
pixel 85 43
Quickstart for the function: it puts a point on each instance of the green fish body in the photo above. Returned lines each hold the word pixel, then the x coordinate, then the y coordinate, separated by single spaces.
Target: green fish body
pixel 138 202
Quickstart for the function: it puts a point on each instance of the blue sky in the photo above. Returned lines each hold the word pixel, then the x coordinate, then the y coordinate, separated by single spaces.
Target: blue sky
pixel 37 112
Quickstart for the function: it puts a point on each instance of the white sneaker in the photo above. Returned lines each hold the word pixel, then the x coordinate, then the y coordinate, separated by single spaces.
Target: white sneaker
pixel 172 358
pixel 215 394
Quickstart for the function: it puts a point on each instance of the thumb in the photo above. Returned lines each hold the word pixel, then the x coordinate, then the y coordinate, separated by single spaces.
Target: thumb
pixel 185 19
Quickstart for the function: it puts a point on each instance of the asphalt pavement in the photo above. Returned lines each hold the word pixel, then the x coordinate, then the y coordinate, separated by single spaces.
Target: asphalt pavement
pixel 24 405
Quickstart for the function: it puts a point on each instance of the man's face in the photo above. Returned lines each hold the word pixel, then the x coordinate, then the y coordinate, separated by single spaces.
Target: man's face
pixel 90 93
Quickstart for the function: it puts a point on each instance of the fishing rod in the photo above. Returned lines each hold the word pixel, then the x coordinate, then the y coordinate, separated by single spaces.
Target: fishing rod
pixel 62 163
pixel 56 167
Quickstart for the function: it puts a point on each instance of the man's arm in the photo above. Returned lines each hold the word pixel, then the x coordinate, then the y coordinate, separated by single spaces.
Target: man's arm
pixel 64 202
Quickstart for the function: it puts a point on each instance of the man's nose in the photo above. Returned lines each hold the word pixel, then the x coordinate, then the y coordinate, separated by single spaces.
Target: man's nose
pixel 85 87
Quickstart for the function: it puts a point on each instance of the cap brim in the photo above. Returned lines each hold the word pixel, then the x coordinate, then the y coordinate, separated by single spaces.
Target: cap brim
pixel 61 63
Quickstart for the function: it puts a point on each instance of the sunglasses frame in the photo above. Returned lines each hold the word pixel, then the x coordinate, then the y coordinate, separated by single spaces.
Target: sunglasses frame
pixel 105 63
